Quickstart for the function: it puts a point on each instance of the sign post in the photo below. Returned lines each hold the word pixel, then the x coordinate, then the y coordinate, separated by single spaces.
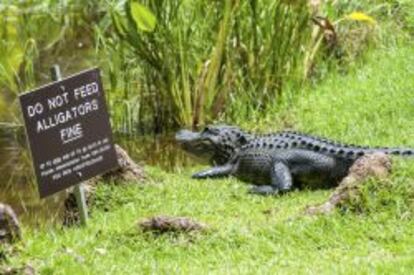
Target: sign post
pixel 69 133
pixel 77 189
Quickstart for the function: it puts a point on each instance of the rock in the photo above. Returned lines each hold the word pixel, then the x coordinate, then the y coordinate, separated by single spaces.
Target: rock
pixel 164 224
pixel 9 225
pixel 128 170
pixel 376 165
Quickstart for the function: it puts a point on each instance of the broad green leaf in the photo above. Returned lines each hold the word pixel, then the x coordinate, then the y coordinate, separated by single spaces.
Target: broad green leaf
pixel 144 19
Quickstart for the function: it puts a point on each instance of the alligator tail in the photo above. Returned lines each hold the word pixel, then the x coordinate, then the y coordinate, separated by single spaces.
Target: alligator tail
pixel 403 152
pixel 330 147
pixel 354 152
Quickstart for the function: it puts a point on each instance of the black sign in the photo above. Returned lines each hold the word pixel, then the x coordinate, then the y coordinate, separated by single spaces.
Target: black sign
pixel 69 133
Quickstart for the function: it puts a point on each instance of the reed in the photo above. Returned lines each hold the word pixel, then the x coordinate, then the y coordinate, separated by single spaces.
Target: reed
pixel 202 56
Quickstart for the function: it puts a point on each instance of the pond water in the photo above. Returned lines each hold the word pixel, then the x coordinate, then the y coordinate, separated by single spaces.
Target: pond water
pixel 161 151
pixel 18 186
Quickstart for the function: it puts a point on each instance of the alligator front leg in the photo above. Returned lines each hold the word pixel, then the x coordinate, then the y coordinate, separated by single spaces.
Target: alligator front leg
pixel 281 181
pixel 215 172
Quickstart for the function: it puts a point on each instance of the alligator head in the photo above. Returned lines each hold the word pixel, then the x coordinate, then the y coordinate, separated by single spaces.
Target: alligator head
pixel 215 144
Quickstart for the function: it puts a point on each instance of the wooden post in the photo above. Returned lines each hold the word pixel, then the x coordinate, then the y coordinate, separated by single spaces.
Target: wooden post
pixel 78 189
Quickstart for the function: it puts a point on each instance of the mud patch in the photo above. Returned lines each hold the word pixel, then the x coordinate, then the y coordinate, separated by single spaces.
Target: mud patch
pixel 165 224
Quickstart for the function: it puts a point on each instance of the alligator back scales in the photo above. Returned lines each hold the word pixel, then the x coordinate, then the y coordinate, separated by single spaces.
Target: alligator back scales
pixel 289 140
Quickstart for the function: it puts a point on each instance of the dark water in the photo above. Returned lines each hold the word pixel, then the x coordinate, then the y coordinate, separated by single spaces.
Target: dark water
pixel 18 186
pixel 161 151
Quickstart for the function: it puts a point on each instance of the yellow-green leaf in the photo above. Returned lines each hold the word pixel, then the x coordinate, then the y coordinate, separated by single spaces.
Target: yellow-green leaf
pixel 144 19
pixel 360 16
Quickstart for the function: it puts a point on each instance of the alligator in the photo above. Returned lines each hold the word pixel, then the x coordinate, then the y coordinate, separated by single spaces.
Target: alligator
pixel 278 162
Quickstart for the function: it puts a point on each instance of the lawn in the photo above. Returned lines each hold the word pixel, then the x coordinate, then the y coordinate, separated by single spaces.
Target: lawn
pixel 372 104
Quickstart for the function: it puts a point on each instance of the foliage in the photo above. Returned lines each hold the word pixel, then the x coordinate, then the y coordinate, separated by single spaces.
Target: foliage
pixel 36 34
pixel 189 71
pixel 143 18
pixel 203 56
pixel 170 63
pixel 360 16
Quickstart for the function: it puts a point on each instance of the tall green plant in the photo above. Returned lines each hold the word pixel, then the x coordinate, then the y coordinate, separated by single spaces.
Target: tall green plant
pixel 269 39
pixel 198 57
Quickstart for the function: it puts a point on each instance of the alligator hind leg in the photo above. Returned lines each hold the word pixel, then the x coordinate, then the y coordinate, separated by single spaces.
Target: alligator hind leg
pixel 215 172
pixel 281 181
pixel 312 169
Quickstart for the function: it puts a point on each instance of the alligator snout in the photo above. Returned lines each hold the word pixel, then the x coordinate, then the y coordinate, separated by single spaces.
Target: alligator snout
pixel 186 136
pixel 194 144
pixel 215 143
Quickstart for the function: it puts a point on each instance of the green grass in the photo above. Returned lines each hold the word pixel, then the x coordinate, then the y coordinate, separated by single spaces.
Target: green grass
pixel 373 104
pixel 248 234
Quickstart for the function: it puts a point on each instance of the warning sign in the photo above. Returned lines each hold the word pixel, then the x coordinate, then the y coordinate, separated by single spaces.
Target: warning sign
pixel 69 133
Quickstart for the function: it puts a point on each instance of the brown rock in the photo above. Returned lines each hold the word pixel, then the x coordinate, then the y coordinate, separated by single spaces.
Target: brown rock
pixel 128 170
pixel 9 225
pixel 376 165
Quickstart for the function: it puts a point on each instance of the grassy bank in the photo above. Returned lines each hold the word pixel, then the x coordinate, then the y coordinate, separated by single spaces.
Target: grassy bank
pixel 373 104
